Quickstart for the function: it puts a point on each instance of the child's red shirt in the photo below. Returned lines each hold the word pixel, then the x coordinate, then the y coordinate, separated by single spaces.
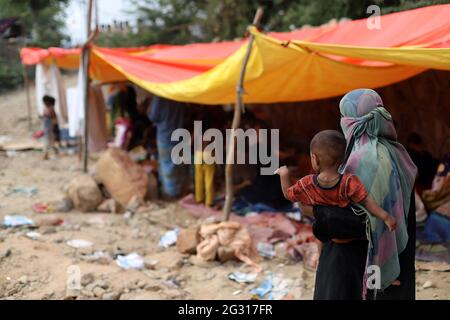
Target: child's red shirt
pixel 308 191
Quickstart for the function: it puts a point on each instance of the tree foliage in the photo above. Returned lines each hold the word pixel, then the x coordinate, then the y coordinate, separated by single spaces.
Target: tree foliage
pixel 184 21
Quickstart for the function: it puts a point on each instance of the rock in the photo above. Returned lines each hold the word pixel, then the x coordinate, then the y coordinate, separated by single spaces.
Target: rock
pixel 48 230
pixel 23 279
pixel 84 193
pixel 196 261
pixel 102 284
pixel 188 240
pixel 154 288
pixel 98 292
pixel 87 279
pixel 121 176
pixel 5 254
pixel 176 263
pixel 173 293
pixel 111 296
pixel 108 205
pixel 428 284
pixel 50 221
pixel 141 284
pixel 150 264
pixel 87 293
pixel 63 205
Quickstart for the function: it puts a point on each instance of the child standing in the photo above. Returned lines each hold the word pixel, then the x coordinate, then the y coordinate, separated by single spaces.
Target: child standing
pixel 204 177
pixel 329 187
pixel 50 125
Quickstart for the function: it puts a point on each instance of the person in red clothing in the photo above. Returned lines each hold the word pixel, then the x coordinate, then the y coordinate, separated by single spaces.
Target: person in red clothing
pixel 327 186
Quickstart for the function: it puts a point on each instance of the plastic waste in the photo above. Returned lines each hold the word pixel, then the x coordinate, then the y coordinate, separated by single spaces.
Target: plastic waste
pixel 79 243
pixel 29 191
pixel 264 288
pixel 242 277
pixel 16 221
pixel 130 261
pixel 33 235
pixel 266 250
pixel 169 238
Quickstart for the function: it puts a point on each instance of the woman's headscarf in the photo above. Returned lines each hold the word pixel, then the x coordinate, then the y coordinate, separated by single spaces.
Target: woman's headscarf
pixel 385 169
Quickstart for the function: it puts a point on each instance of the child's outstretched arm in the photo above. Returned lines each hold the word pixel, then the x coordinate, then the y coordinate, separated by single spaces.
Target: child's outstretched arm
pixel 285 179
pixel 378 212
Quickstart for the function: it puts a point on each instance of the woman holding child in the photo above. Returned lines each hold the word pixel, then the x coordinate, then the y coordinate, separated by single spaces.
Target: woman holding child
pixel 373 186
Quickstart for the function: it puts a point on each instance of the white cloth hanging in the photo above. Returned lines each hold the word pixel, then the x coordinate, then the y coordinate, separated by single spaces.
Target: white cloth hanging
pixel 50 82
pixel 75 106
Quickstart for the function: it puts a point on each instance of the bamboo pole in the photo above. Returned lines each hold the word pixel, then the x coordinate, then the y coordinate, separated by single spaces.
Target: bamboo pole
pixel 238 109
pixel 86 57
pixel 26 83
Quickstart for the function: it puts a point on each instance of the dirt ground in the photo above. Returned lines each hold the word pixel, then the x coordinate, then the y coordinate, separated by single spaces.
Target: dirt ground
pixel 42 268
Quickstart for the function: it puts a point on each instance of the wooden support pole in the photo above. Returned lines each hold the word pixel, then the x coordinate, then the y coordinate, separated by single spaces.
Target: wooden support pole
pixel 86 57
pixel 238 109
pixel 26 83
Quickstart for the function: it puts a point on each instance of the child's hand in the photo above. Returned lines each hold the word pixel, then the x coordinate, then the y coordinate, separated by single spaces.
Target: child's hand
pixel 281 170
pixel 390 223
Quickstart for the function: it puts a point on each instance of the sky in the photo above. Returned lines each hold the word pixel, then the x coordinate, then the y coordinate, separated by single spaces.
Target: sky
pixel 108 10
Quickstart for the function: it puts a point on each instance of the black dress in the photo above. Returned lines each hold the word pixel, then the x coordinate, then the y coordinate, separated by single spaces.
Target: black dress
pixel 341 267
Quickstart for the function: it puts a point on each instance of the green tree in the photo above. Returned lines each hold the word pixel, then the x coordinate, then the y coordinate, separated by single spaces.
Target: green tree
pixel 43 20
pixel 184 21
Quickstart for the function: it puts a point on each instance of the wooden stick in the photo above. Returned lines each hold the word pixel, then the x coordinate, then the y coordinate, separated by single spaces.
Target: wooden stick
pixel 238 109
pixel 26 82
pixel 86 57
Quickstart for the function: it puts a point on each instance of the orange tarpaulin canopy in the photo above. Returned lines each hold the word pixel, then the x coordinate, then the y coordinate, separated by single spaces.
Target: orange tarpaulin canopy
pixel 305 64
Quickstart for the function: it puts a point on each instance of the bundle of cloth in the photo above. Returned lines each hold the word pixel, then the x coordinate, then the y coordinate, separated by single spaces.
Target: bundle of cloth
pixel 437 203
pixel 438 197
pixel 225 241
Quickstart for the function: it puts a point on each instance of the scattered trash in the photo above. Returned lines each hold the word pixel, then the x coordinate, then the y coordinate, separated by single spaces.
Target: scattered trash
pixel 237 292
pixel 29 191
pixel 428 284
pixel 79 243
pixel 127 215
pixel 16 221
pixel 266 250
pixel 33 235
pixel 264 288
pixel 172 282
pixel 297 216
pixel 169 238
pixel 274 287
pixel 242 277
pixel 41 207
pixel 38 134
pixel 280 287
pixel 131 261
